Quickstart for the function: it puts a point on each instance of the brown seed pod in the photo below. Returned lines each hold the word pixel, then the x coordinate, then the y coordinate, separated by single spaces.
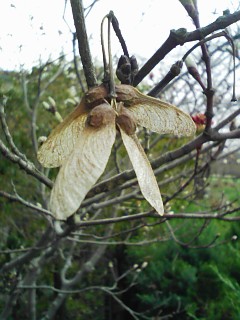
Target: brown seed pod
pixel 95 96
pixel 126 120
pixel 101 116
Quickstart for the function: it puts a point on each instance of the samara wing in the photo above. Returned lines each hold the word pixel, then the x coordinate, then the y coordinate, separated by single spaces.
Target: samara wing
pixel 141 165
pixel 62 139
pixel 155 114
pixel 162 117
pixel 82 169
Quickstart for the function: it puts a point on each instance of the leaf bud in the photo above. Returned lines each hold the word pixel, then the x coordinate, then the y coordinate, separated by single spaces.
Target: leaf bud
pixel 190 62
pixel 38 205
pixel 46 105
pixel 41 140
pixel 200 121
pixel 70 101
pixel 58 116
pixel 52 101
pixel 144 264
pixel 193 70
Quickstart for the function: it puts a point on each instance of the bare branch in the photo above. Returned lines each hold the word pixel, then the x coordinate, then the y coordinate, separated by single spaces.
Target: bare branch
pixel 26 165
pixel 84 50
pixel 181 36
pixel 7 132
pixel 17 198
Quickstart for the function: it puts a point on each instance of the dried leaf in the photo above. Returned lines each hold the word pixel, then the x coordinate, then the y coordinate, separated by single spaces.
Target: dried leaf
pixel 146 179
pixel 81 170
pixel 62 139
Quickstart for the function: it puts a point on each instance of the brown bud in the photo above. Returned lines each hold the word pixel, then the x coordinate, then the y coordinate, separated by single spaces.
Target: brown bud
pixel 123 71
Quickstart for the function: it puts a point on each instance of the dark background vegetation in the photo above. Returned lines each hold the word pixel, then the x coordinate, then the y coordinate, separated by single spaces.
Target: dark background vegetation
pixel 120 260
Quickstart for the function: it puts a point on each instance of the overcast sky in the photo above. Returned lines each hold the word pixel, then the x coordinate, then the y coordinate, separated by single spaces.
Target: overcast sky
pixel 35 29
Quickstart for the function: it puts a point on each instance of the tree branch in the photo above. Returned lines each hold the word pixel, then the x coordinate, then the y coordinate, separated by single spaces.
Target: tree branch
pixel 26 165
pixel 84 50
pixel 181 36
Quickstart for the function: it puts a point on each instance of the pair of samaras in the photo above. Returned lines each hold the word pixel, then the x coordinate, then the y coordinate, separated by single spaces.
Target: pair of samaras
pixel 82 143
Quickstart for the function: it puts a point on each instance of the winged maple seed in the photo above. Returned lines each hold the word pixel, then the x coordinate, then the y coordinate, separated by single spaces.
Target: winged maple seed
pixel 82 143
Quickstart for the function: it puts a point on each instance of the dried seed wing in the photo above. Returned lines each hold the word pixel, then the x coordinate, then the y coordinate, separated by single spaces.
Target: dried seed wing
pixel 62 139
pixel 81 170
pixel 146 179
pixel 161 117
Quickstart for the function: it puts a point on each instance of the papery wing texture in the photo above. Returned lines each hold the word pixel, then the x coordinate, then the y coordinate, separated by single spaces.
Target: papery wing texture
pixel 155 114
pixel 62 139
pixel 162 117
pixel 81 170
pixel 146 179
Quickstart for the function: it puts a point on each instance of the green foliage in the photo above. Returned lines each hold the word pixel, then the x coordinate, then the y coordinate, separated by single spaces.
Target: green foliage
pixel 174 281
pixel 188 283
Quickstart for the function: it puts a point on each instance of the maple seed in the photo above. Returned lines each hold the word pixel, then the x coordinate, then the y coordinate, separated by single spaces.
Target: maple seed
pixel 101 116
pixel 126 121
pixel 82 143
pixel 95 96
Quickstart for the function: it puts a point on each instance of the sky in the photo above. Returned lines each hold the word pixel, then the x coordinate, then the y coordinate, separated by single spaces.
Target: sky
pixel 34 30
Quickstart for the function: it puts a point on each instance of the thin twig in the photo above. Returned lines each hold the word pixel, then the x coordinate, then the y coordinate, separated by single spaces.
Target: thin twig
pixel 7 132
